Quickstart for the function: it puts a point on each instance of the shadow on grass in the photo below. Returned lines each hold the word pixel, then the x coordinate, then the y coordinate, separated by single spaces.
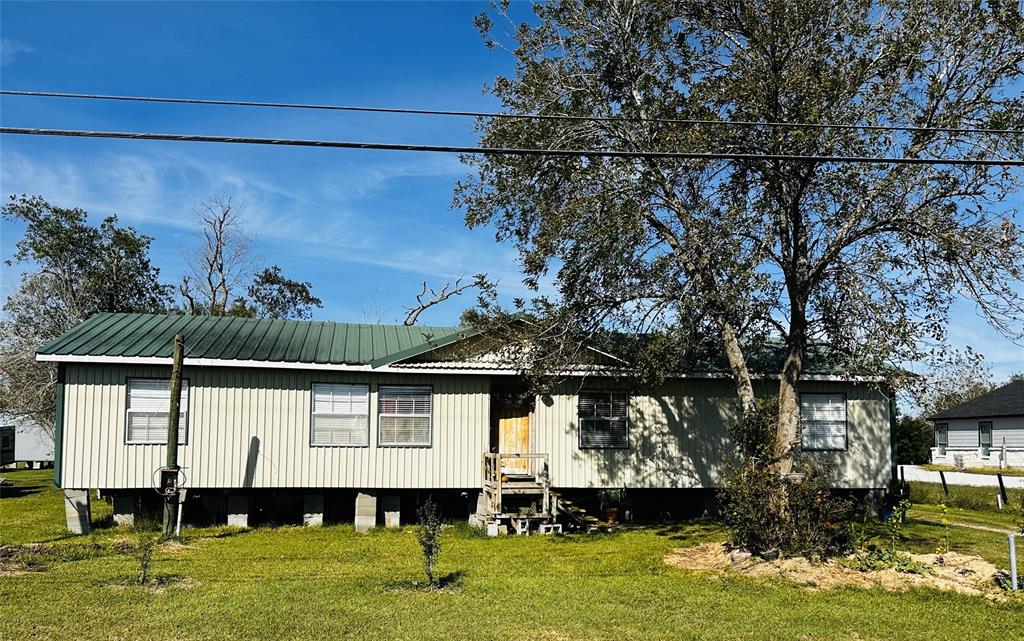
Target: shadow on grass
pixel 688 531
pixel 19 491
pixel 218 532
pixel 104 523
pixel 450 581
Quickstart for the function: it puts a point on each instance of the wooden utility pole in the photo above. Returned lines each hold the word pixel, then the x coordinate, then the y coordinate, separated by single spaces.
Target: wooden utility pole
pixel 173 417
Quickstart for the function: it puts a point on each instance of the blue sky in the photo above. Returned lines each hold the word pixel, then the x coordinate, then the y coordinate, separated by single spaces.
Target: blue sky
pixel 364 227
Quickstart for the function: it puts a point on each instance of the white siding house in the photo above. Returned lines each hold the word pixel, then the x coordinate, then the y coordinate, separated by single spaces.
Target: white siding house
pixel 985 431
pixel 312 407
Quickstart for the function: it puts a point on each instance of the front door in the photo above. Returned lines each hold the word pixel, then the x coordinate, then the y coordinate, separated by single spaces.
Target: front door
pixel 510 414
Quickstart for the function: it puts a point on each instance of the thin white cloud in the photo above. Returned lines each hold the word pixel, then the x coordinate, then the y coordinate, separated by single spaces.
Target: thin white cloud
pixel 319 215
pixel 10 49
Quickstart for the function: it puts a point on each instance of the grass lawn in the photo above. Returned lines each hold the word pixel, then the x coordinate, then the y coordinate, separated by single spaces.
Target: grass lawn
pixel 331 583
pixel 991 471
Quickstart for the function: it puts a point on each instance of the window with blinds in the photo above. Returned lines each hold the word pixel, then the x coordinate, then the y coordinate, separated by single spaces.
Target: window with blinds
pixel 403 415
pixel 149 403
pixel 341 415
pixel 824 421
pixel 604 419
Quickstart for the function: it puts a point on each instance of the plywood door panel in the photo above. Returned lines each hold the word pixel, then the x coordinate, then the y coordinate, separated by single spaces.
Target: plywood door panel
pixel 513 435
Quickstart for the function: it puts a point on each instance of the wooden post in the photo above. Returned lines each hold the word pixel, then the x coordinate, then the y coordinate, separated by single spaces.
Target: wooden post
pixel 942 477
pixel 171 506
pixel 1002 489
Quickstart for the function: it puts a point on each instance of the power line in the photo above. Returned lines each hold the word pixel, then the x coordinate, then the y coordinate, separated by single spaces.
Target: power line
pixel 508 151
pixel 492 114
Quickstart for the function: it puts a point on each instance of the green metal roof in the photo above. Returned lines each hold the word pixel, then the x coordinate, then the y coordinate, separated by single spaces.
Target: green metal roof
pixel 251 339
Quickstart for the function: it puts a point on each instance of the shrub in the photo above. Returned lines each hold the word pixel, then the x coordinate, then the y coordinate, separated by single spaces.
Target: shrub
pixel 942 547
pixel 768 514
pixel 894 524
pixel 429 536
pixel 875 559
pixel 146 541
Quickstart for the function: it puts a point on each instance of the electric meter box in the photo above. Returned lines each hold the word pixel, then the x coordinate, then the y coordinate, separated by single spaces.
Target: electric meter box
pixel 168 480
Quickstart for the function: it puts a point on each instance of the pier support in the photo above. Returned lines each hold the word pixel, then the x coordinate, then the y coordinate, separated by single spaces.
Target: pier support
pixel 366 510
pixel 76 511
pixel 238 510
pixel 313 510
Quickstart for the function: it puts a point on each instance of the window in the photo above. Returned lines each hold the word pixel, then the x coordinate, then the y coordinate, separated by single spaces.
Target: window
pixel 604 419
pixel 985 437
pixel 341 415
pixel 149 403
pixel 404 415
pixel 942 437
pixel 824 421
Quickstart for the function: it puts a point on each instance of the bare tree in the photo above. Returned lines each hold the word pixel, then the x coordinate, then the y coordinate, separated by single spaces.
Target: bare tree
pixel 428 296
pixel 372 308
pixel 222 262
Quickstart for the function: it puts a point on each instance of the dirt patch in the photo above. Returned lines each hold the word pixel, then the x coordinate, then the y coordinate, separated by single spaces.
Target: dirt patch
pixel 174 546
pixel 960 573
pixel 158 585
pixel 11 562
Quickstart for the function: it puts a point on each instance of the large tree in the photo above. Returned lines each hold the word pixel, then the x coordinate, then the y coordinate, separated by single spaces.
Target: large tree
pixel 74 270
pixel 864 257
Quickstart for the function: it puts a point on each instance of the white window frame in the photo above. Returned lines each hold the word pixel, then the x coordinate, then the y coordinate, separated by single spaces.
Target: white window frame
pixel 313 414
pixel 846 423
pixel 981 444
pixel 183 427
pixel 611 394
pixel 943 429
pixel 429 415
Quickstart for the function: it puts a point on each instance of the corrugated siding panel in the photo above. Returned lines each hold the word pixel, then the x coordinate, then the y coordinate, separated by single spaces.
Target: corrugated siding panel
pixel 678 438
pixel 251 427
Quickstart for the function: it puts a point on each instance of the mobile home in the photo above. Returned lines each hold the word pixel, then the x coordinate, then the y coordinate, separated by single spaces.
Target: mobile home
pixel 333 416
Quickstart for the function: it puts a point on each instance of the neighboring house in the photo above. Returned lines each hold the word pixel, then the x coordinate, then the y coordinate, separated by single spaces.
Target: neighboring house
pixel 25 441
pixel 322 413
pixel 978 431
pixel 33 443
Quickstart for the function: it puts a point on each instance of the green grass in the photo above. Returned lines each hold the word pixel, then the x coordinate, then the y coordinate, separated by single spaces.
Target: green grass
pixel 991 471
pixel 33 510
pixel 982 499
pixel 331 583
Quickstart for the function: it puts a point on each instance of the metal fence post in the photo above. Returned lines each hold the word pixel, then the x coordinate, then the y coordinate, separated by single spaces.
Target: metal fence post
pixel 1013 560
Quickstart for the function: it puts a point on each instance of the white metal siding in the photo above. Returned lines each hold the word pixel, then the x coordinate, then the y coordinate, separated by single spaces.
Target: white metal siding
pixel 678 438
pixel 251 428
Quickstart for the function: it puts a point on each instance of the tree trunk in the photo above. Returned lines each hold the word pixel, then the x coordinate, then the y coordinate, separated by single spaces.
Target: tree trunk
pixel 740 372
pixel 787 436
